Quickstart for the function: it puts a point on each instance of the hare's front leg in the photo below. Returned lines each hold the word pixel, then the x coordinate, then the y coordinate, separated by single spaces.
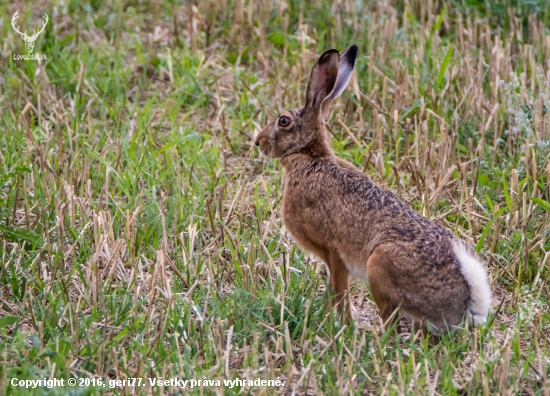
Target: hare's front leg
pixel 339 285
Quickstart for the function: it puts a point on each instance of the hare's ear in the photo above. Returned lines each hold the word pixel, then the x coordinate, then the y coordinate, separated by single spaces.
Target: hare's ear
pixel 345 70
pixel 322 80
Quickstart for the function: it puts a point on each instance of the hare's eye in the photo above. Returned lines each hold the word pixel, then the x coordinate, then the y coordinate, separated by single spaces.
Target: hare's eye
pixel 284 121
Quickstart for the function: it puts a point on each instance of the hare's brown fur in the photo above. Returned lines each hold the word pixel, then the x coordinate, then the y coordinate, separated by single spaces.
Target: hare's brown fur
pixel 335 211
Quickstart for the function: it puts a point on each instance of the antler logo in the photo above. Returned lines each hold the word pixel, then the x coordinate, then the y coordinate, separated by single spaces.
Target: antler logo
pixel 29 40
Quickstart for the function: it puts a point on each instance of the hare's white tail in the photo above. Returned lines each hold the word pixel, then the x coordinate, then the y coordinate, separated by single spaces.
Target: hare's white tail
pixel 477 278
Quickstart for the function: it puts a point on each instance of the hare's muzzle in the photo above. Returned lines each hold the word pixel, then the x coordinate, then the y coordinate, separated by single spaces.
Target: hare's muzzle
pixel 262 141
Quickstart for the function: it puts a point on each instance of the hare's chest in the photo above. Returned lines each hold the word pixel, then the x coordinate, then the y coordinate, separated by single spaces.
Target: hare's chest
pixel 301 223
pixel 297 205
pixel 296 220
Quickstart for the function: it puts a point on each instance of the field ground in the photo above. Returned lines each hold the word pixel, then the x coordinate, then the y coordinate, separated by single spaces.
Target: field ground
pixel 140 233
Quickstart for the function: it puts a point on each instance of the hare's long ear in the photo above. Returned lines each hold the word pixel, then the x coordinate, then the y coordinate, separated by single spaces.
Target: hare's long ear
pixel 321 81
pixel 345 70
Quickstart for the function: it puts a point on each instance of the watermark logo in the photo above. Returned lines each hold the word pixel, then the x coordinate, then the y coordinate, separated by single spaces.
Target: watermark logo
pixel 29 40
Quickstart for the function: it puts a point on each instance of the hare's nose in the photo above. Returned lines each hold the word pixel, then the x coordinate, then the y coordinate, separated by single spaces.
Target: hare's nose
pixel 261 136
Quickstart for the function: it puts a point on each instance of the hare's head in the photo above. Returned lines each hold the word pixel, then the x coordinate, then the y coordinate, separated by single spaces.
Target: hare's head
pixel 301 130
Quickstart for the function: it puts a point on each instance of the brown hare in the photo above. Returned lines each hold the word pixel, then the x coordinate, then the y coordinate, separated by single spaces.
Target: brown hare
pixel 333 210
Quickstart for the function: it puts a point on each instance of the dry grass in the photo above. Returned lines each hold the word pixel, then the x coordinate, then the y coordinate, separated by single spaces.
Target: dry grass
pixel 140 232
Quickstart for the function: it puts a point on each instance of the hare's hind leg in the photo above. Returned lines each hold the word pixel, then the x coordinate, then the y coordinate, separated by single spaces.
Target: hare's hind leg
pixel 418 328
pixel 339 285
pixel 382 287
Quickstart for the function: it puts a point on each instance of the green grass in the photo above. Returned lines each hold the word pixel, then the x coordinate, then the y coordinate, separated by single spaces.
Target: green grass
pixel 140 231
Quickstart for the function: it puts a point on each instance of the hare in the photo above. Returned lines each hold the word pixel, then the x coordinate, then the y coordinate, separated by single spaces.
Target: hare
pixel 333 210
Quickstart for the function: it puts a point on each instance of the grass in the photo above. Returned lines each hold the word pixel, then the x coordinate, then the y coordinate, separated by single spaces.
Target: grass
pixel 140 232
